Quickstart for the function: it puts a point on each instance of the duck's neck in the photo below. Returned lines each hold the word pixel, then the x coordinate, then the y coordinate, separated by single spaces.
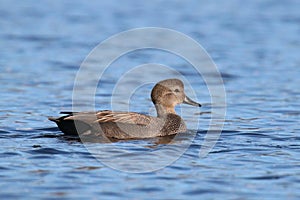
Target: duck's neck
pixel 162 110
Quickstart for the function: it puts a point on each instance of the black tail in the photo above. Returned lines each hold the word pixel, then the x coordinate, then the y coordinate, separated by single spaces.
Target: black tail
pixel 67 113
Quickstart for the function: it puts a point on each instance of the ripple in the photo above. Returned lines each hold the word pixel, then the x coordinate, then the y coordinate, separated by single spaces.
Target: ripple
pixel 14 135
pixel 40 171
pixel 47 151
pixel 32 38
pixel 268 177
pixel 147 189
pixel 88 168
pixel 51 129
pixel 111 194
pixel 290 138
pixel 38 157
pixel 60 64
pixel 288 112
pixel 2 131
pixel 200 191
pixel 9 154
pixel 4 168
pixel 257 134
pixel 179 168
pixel 46 136
pixel 239 150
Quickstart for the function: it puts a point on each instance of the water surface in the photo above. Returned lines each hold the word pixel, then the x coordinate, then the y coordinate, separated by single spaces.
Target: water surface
pixel 254 44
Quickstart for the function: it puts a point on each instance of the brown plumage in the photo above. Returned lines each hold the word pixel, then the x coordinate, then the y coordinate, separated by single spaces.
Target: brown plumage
pixel 165 95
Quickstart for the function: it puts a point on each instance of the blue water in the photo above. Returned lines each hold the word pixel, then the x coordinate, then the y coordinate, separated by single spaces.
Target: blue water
pixel 255 45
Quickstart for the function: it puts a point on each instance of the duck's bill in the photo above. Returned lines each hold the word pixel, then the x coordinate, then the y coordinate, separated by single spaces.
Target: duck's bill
pixel 191 102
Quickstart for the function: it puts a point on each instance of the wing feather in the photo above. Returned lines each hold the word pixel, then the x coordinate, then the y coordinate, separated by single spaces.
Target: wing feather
pixel 123 117
pixel 109 116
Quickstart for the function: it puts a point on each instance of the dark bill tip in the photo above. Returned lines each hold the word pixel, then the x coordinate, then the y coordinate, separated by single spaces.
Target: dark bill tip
pixel 189 101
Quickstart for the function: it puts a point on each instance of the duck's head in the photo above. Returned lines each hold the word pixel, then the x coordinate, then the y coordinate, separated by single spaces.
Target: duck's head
pixel 167 94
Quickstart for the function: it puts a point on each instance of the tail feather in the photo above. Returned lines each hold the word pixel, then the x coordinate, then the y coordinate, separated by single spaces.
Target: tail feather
pixel 68 112
pixel 53 119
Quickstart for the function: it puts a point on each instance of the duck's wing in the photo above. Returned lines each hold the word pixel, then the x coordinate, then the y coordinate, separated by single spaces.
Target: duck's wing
pixel 109 116
pixel 123 117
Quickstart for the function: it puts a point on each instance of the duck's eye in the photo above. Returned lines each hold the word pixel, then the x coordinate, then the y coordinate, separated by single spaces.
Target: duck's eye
pixel 176 90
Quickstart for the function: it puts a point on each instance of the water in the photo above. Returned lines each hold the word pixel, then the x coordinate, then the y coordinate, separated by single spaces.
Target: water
pixel 255 45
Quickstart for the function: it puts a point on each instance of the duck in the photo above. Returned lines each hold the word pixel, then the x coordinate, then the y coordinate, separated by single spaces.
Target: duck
pixel 119 125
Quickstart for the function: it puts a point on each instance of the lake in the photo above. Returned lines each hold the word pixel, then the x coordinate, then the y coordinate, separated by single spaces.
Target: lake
pixel 255 46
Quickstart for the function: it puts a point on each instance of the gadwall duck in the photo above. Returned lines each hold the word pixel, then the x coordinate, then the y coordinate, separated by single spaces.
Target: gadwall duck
pixel 165 95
